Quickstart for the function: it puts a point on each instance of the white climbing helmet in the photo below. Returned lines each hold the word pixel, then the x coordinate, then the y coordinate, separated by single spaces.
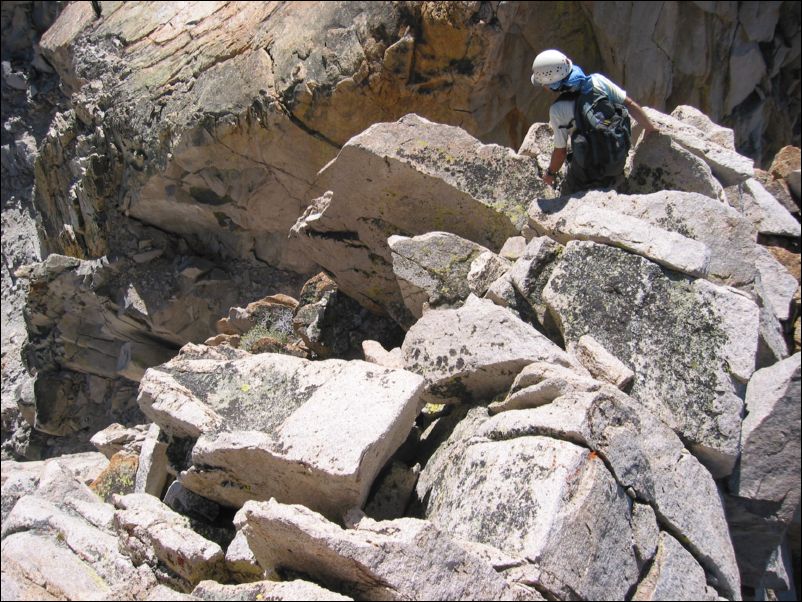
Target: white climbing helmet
pixel 549 67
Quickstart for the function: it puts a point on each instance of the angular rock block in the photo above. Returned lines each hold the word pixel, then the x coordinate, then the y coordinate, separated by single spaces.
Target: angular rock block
pixel 646 458
pixel 408 178
pixel 402 559
pixel 152 534
pixel 551 502
pixel 433 269
pixel 722 229
pixel 659 163
pixel 726 164
pixel 691 344
pixel 476 351
pixel 314 433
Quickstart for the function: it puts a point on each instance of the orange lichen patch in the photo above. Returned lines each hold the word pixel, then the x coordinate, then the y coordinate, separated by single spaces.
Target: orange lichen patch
pixel 118 477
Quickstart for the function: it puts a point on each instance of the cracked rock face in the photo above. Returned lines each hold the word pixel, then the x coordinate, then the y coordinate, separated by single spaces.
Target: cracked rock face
pixel 691 344
pixel 475 352
pixel 272 425
pixel 549 501
pixel 231 172
pixel 408 178
pixel 377 560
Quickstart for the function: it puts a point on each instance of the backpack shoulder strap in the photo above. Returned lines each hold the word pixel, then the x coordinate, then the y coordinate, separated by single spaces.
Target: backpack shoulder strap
pixel 569 96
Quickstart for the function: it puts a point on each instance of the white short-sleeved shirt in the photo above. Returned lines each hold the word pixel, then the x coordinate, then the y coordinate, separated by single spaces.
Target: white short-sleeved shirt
pixel 562 112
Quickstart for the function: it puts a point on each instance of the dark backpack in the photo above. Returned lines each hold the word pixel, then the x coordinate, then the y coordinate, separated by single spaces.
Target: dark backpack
pixel 602 139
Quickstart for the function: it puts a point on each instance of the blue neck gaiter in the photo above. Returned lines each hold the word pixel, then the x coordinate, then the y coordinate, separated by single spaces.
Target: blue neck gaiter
pixel 576 81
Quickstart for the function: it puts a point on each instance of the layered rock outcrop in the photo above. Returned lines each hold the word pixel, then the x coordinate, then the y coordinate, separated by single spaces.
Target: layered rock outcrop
pixel 587 397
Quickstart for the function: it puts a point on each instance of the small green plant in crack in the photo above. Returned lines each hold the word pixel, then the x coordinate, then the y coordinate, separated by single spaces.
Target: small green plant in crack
pixel 262 331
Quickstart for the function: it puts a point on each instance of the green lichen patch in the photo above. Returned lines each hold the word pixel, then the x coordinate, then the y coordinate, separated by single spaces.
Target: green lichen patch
pixel 654 321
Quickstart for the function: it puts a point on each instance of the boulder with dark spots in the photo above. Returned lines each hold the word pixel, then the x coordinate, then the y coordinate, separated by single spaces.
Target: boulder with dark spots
pixel 659 163
pixel 690 344
pixel 728 235
pixel 475 352
pixel 646 458
pixel 402 559
pixel 726 164
pixel 550 502
pixel 272 425
pixel 408 178
pixel 433 269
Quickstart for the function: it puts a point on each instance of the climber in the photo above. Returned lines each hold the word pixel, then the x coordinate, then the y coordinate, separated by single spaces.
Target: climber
pixel 592 112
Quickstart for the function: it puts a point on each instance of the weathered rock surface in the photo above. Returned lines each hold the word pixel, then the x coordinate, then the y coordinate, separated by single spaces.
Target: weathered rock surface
pixel 765 487
pixel 152 473
pixel 767 214
pixel 548 501
pixel 601 364
pixel 646 458
pixel 297 89
pixel 22 478
pixel 701 341
pixel 659 163
pixel 729 236
pixel 258 419
pixel 474 352
pixel 541 383
pixel 727 165
pixel 60 538
pixel 769 428
pixel 116 437
pixel 387 560
pixel 531 272
pixel 538 144
pixel 432 269
pixel 30 97
pixel 265 590
pixel 667 248
pixel 779 189
pixel 408 178
pixel 485 269
pixel 777 286
pixel 712 131
pixel 674 575
pixel 150 533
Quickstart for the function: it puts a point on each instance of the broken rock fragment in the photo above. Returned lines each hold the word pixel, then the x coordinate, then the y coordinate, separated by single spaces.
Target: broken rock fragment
pixel 401 559
pixel 152 534
pixel 476 351
pixel 690 344
pixel 549 501
pixel 271 425
pixel 408 178
pixel 433 269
